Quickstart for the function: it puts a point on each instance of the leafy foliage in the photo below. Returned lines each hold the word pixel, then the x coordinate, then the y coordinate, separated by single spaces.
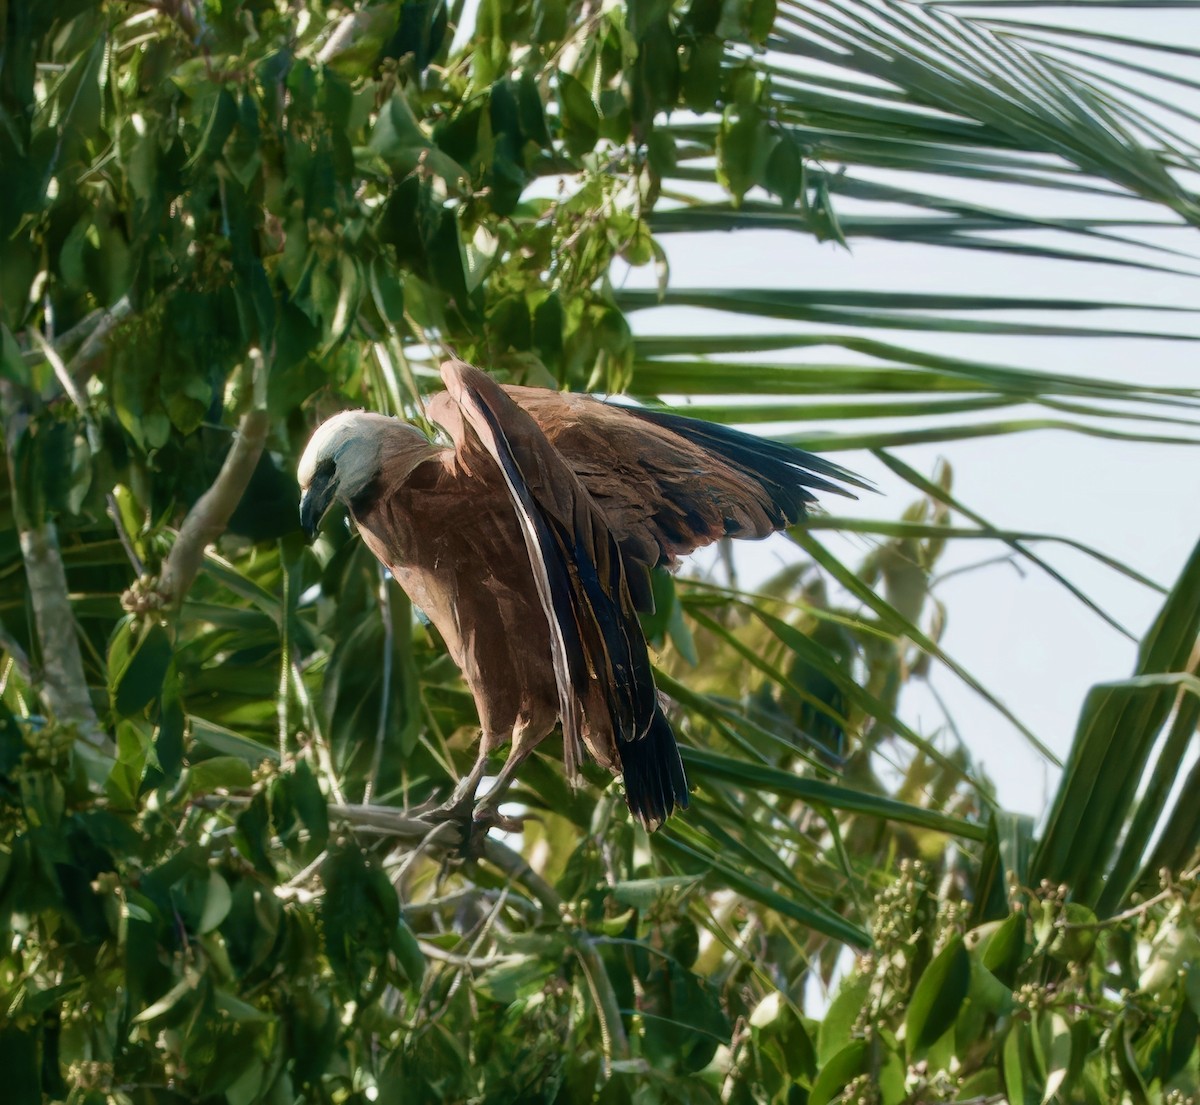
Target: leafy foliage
pixel 253 213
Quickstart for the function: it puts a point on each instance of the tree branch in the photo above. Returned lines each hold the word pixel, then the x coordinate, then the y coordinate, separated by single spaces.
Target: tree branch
pixel 83 363
pixel 445 836
pixel 90 334
pixel 68 384
pixel 64 686
pixel 401 824
pixel 210 514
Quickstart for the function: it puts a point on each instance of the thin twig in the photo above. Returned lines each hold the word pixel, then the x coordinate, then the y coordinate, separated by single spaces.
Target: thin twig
pixel 67 338
pixel 461 897
pixel 468 962
pixel 68 384
pixel 513 864
pixel 385 692
pixel 1133 912
pixel 324 751
pixel 83 363
pixel 282 694
pixel 9 644
pixel 126 540
pixel 91 334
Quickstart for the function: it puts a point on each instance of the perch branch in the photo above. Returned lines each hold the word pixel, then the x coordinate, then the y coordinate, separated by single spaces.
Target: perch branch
pixel 514 865
pixel 402 825
pixel 210 514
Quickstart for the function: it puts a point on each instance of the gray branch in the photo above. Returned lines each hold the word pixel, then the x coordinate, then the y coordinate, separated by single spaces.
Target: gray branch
pixel 210 514
pixel 64 685
pixel 83 363
pixel 90 334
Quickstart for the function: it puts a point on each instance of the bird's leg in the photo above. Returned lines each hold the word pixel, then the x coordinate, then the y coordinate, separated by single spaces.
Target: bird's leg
pixel 459 805
pixel 487 810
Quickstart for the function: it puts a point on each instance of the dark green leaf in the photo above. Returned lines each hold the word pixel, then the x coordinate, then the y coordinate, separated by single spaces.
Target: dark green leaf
pixel 938 997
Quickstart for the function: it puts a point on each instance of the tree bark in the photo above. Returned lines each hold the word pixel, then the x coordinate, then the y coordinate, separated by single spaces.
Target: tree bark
pixel 64 685
pixel 210 514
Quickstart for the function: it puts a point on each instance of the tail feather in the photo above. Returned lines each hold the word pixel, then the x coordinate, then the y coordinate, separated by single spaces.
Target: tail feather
pixel 655 783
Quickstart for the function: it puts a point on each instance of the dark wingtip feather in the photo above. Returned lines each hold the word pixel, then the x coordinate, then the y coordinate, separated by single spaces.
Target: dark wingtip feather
pixel 655 783
pixel 776 460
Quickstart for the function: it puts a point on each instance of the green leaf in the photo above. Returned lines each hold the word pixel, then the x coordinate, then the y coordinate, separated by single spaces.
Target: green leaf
pixel 139 655
pixel 217 901
pixel 360 916
pixel 229 743
pixel 169 734
pixel 408 954
pixel 841 1068
pixel 219 773
pixel 761 776
pixel 1016 1064
pixel 842 1017
pixel 745 144
pixel 221 120
pixel 982 1084
pixel 643 894
pixel 775 1021
pixel 397 136
pixel 253 834
pixel 1113 742
pixel 702 72
pixel 580 119
pixel 517 977
pixel 124 782
pixel 172 1006
pixel 684 1023
pixel 937 998
pixel 1002 951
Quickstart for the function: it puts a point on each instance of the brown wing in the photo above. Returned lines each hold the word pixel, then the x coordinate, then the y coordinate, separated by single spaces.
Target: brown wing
pixel 599 653
pixel 669 484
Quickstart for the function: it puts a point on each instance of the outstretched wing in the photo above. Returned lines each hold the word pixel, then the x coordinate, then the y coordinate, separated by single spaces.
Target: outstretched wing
pixel 599 652
pixel 669 484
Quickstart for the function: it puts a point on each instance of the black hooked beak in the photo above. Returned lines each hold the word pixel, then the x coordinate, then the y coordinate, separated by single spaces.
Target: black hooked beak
pixel 315 501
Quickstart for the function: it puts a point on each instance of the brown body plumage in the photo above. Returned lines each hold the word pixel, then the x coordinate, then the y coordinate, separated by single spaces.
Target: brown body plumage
pixel 528 544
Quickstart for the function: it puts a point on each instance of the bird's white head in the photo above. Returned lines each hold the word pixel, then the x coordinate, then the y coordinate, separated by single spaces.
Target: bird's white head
pixel 341 460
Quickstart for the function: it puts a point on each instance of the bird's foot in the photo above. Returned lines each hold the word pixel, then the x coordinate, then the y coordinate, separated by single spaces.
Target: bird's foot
pixel 459 811
pixel 487 816
pixel 474 822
